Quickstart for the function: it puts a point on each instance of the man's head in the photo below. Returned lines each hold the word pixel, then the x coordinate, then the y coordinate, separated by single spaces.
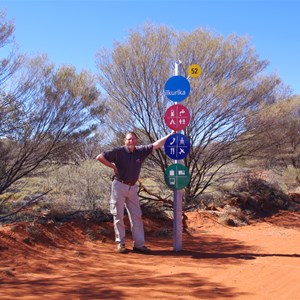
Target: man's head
pixel 130 140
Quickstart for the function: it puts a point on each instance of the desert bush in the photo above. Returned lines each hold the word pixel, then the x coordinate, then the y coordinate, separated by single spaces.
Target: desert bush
pixel 291 176
pixel 203 201
pixel 155 211
pixel 256 195
pixel 34 231
pixel 80 187
pixel 5 208
pixel 73 188
pixel 233 216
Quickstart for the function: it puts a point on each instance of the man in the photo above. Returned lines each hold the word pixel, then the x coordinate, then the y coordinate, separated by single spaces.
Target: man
pixel 126 161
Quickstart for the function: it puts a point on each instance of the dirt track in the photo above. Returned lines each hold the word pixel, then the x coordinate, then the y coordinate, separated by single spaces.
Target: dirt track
pixel 78 261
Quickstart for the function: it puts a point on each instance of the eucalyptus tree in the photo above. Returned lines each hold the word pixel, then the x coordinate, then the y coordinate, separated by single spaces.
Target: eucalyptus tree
pixel 224 101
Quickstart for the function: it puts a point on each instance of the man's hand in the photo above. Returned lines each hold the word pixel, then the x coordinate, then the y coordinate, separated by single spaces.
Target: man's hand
pixel 160 142
pixel 115 170
pixel 107 163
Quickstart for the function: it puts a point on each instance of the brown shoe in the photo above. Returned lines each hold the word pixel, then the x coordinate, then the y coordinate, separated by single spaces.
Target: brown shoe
pixel 121 248
pixel 143 249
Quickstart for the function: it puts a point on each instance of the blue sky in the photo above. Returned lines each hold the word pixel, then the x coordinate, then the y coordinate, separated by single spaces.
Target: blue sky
pixel 72 31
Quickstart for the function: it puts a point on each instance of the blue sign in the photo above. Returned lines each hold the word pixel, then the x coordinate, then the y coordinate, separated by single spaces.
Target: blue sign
pixel 177 88
pixel 177 146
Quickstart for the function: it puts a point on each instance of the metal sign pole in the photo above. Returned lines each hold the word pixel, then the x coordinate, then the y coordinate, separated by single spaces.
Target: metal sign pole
pixel 177 206
pixel 177 146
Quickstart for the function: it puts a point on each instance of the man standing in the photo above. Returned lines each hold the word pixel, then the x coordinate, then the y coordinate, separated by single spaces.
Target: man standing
pixel 126 161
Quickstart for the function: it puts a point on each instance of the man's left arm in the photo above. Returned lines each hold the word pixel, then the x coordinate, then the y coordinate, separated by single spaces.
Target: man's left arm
pixel 159 143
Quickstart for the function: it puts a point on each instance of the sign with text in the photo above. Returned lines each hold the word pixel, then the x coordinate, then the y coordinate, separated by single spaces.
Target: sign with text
pixel 177 146
pixel 177 117
pixel 194 70
pixel 177 88
pixel 177 176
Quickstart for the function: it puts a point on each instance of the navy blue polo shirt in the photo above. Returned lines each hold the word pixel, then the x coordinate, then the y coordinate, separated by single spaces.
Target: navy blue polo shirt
pixel 128 163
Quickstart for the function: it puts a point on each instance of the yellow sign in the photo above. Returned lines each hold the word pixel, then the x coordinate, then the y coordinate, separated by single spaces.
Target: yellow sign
pixel 194 70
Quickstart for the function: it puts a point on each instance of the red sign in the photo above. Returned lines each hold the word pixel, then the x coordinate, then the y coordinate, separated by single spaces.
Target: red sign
pixel 177 117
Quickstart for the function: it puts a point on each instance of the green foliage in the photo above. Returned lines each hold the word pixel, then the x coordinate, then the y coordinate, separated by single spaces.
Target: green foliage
pixel 73 189
pixel 51 117
pixel 56 117
pixel 80 187
pixel 45 112
pixel 5 207
pixel 229 102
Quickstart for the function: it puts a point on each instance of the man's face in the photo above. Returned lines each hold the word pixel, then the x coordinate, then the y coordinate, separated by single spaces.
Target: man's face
pixel 130 141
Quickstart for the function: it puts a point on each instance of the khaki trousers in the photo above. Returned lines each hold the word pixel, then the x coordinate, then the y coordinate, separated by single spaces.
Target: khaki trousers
pixel 125 196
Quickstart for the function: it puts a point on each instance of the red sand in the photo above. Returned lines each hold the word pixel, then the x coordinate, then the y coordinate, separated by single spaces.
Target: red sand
pixel 78 261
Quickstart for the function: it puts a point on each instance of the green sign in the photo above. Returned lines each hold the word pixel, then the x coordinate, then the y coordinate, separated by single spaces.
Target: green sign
pixel 177 176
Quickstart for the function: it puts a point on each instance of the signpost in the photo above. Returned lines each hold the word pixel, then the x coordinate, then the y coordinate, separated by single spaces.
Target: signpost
pixel 177 146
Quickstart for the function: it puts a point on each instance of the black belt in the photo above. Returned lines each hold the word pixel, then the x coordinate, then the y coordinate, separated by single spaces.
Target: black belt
pixel 125 182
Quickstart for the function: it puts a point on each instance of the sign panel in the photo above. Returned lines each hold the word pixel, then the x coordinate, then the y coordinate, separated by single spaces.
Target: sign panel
pixel 177 88
pixel 194 71
pixel 177 117
pixel 177 176
pixel 177 146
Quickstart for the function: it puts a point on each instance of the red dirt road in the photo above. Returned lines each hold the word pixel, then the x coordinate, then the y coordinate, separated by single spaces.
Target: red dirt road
pixel 78 261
